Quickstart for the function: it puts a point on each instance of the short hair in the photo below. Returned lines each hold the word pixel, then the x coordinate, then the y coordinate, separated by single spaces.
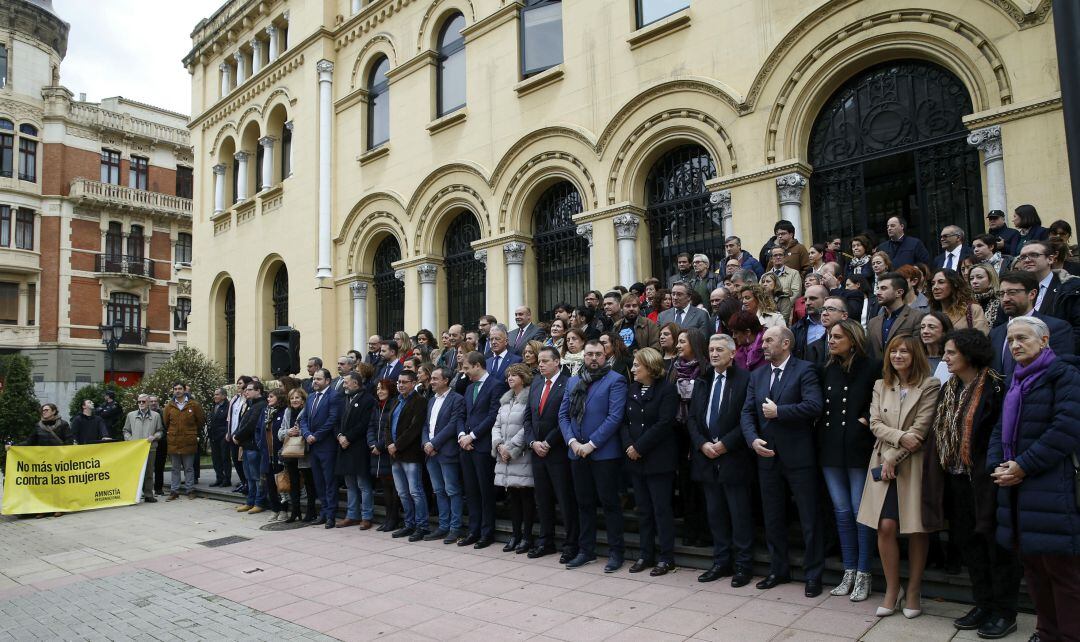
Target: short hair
pixel 325 373
pixel 365 370
pixel 786 334
pixel 498 327
pixel 489 318
pixel 701 257
pixel 299 391
pixel 786 226
pixel 143 395
pixel 744 320
pixel 955 229
pixel 392 345
pixel 989 240
pixel 884 257
pixel 257 385
pixel 899 219
pixel 594 343
pixel 1036 324
pixel 279 394
pixel 446 372
pixel 920 366
pixel 178 383
pixel 682 255
pixel 1027 280
pixel 974 346
pixel 564 306
pixel 552 351
pixel 476 358
pixel 521 370
pixel 614 294
pixel 355 355
pixel 316 360
pixel 733 239
pixel 726 339
pixel 680 284
pixel 243 379
pixel 748 277
pixel 354 376
pixel 1028 215
pixel 1061 225
pixel 651 360
pixel 863 241
pixel 897 280
pixel 630 298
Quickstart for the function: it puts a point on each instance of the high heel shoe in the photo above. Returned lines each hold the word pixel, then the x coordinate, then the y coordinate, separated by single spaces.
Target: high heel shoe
pixel 884 612
pixel 846 584
pixel 911 614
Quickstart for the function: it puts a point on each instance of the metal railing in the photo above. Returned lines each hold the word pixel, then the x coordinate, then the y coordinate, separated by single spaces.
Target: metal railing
pixel 123 264
pixel 122 196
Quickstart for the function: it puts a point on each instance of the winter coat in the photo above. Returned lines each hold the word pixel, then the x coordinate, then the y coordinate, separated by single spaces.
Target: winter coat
pixel 266 440
pixel 377 434
pixel 509 430
pixel 182 426
pixel 140 428
pixel 842 440
pixel 1047 521
pixel 244 433
pixel 355 420
pixel 88 429
pixel 58 434
pixel 649 426
pixel 291 418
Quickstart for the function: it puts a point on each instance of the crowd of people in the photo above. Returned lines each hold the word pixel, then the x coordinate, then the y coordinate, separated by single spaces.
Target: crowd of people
pixel 913 396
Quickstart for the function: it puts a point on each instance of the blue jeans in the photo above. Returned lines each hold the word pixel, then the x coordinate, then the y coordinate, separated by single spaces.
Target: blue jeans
pixel 856 540
pixel 256 493
pixel 446 482
pixel 361 498
pixel 409 485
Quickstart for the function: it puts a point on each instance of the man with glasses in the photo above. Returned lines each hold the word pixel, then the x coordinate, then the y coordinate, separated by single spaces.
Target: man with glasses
pixel 145 424
pixel 953 249
pixel 795 255
pixel 404 443
pixel 183 417
pixel 811 328
pixel 374 352
pixel 1018 291
pixel 746 261
pixel 1057 298
pixel 682 313
pixel 789 282
pixel 834 311
pixel 345 365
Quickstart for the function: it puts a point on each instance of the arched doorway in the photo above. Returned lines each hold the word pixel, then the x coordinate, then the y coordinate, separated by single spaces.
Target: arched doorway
pixel 681 218
pixel 465 276
pixel 280 297
pixel 891 142
pixel 562 257
pixel 389 290
pixel 230 333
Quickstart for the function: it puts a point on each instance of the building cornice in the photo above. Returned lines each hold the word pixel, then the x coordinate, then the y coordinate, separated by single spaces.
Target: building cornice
pixel 1015 111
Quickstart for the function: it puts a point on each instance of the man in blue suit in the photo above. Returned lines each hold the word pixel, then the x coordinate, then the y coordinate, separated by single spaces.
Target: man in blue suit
pixel 1019 291
pixel 590 416
pixel 477 465
pixel 445 419
pixel 391 365
pixel 501 357
pixel 953 249
pixel 318 425
pixel 782 404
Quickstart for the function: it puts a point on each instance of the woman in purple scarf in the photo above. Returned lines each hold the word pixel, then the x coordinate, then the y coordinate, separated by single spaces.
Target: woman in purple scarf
pixel 1033 456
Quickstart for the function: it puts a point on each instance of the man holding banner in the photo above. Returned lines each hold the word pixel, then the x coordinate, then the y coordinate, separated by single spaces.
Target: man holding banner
pixel 145 424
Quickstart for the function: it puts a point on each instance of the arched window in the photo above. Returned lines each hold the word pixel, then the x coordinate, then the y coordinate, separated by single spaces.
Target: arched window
pixel 389 290
pixel 378 126
pixel 286 150
pixel 281 297
pixel 562 256
pixel 541 36
pixel 681 218
pixel 180 316
pixel 466 276
pixel 892 142
pixel 451 72
pixel 128 309
pixel 230 333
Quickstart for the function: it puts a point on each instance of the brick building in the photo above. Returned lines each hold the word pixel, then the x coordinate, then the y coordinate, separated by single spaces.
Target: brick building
pixel 95 218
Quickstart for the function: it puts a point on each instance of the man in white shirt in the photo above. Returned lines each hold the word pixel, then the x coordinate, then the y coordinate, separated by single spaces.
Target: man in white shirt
pixel 953 249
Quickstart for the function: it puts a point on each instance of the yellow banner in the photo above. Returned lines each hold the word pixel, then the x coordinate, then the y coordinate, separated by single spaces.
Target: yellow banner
pixel 63 479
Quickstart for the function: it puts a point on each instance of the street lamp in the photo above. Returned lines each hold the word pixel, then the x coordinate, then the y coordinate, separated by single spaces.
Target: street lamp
pixel 112 336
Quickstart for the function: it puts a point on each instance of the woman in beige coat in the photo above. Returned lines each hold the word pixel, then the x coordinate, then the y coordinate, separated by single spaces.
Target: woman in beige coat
pixel 901 413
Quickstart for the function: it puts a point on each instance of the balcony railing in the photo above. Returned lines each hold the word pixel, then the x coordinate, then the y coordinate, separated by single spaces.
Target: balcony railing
pixel 134 336
pixel 123 197
pixel 121 264
pixel 97 117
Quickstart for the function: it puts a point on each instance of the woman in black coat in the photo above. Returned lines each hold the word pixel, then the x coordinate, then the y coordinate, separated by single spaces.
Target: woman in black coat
pixel 354 455
pixel 649 438
pixel 845 444
pixel 381 461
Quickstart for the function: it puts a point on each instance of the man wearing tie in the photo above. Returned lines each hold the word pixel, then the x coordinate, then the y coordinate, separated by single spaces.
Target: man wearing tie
pixel 477 465
pixel 318 425
pixel 1056 298
pixel 1018 293
pixel 501 357
pixel 525 331
pixel 391 367
pixel 722 462
pixel 374 354
pixel 445 419
pixel 345 365
pixel 551 467
pixel 682 313
pixel 782 404
pixel 448 356
pixel 953 249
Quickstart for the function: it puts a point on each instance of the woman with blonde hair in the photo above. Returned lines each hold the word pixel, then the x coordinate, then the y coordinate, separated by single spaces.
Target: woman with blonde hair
pixel 983 279
pixel 757 302
pixel 513 458
pixel 781 302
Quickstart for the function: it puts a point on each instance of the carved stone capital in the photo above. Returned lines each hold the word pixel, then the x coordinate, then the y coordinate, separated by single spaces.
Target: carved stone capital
pixel 271 31
pixel 626 226
pixel 514 252
pixel 358 289
pixel 399 275
pixel 289 125
pixel 267 142
pixel 219 169
pixel 241 156
pixel 239 55
pixel 325 69
pixel 427 272
pixel 224 68
pixel 481 255
pixel 585 230
pixel 988 140
pixel 790 188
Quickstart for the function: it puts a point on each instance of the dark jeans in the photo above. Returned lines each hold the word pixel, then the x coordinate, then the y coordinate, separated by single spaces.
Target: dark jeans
pixel 593 478
pixel 994 571
pixel 695 526
pixel 554 482
pixel 159 464
pixel 731 522
pixel 238 462
pixel 322 469
pixel 295 473
pixel 273 497
pixel 219 454
pixel 478 471
pixel 522 511
pixel 393 504
pixel 1054 584
pixel 655 518
pixel 803 483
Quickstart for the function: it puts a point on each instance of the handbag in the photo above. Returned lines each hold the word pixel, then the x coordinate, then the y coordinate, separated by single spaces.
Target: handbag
pixel 293 448
pixel 282 481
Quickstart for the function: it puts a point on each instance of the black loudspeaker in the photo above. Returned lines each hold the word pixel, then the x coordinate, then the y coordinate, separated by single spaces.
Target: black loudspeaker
pixel 284 352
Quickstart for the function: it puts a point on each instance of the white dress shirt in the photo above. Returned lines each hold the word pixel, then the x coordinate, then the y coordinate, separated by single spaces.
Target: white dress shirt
pixel 433 416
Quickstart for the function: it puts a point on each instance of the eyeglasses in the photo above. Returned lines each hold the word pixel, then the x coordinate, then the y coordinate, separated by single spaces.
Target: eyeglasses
pixel 947 236
pixel 1031 256
pixel 142 400
pixel 831 308
pixel 249 390
pixel 1012 292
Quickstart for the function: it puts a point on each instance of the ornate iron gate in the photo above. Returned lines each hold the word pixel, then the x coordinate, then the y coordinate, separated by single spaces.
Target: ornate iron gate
pixel 562 257
pixel 681 218
pixel 281 297
pixel 230 333
pixel 389 290
pixel 465 276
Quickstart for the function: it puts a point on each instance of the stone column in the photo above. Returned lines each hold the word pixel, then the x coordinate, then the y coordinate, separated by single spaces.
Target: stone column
pixel 219 188
pixel 226 79
pixel 481 255
pixel 267 168
pixel 585 230
pixel 272 48
pixel 241 68
pixel 241 175
pixel 722 201
pixel 790 188
pixel 23 313
pixel 355 6
pixel 359 313
pixel 289 126
pixel 325 69
pixel 626 226
pixel 256 56
pixel 427 272
pixel 988 140
pixel 514 252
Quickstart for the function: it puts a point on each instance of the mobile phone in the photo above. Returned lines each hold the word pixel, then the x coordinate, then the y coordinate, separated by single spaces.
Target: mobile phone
pixel 876 473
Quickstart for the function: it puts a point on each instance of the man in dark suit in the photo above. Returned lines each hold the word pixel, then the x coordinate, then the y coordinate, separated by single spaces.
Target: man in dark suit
pixel 1018 293
pixel 407 417
pixel 445 419
pixel 896 318
pixel 782 403
pixel 391 367
pixel 501 357
pixel 834 311
pixel 901 248
pixel 313 364
pixel 483 327
pixel 477 465
pixel 345 366
pixel 525 332
pixel 551 467
pixel 682 313
pixel 811 328
pixel 722 463
pixel 1057 298
pixel 590 416
pixel 318 425
pixel 953 249
pixel 374 354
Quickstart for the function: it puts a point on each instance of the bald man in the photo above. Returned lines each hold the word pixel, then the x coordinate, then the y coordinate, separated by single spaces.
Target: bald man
pixel 525 332
pixel 953 249
pixel 810 328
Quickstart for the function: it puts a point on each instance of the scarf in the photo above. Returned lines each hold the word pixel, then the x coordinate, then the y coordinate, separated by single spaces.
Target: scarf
pixel 1024 380
pixel 856 265
pixel 955 419
pixel 996 261
pixel 991 306
pixel 577 396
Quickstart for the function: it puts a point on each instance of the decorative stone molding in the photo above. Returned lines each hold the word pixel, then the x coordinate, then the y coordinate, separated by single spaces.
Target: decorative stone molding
pixel 271 30
pixel 184 287
pixel 721 214
pixel 514 252
pixel 358 289
pixel 585 230
pixel 481 255
pixel 626 226
pixel 399 275
pixel 988 140
pixel 219 169
pixel 427 272
pixel 241 156
pixel 267 142
pixel 324 67
pixel 224 68
pixel 289 125
pixel 790 188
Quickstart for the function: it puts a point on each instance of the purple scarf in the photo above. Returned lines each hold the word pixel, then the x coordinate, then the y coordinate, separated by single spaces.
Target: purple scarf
pixel 1024 379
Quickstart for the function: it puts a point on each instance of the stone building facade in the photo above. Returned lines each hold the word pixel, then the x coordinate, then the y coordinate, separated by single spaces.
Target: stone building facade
pixel 95 218
pixel 364 166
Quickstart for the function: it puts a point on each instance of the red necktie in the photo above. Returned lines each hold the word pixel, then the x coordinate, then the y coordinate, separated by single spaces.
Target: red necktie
pixel 544 396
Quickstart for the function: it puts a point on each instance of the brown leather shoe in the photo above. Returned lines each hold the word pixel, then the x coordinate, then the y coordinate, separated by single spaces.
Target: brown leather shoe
pixel 365 524
pixel 347 522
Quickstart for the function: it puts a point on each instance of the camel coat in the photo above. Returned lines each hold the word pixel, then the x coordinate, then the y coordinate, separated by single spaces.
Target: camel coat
pixel 889 420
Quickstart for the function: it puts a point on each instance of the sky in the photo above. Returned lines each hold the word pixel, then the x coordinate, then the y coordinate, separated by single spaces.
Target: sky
pixel 131 48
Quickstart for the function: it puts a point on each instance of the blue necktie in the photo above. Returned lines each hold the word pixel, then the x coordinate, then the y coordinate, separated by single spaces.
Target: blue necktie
pixel 714 405
pixel 948 262
pixel 495 370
